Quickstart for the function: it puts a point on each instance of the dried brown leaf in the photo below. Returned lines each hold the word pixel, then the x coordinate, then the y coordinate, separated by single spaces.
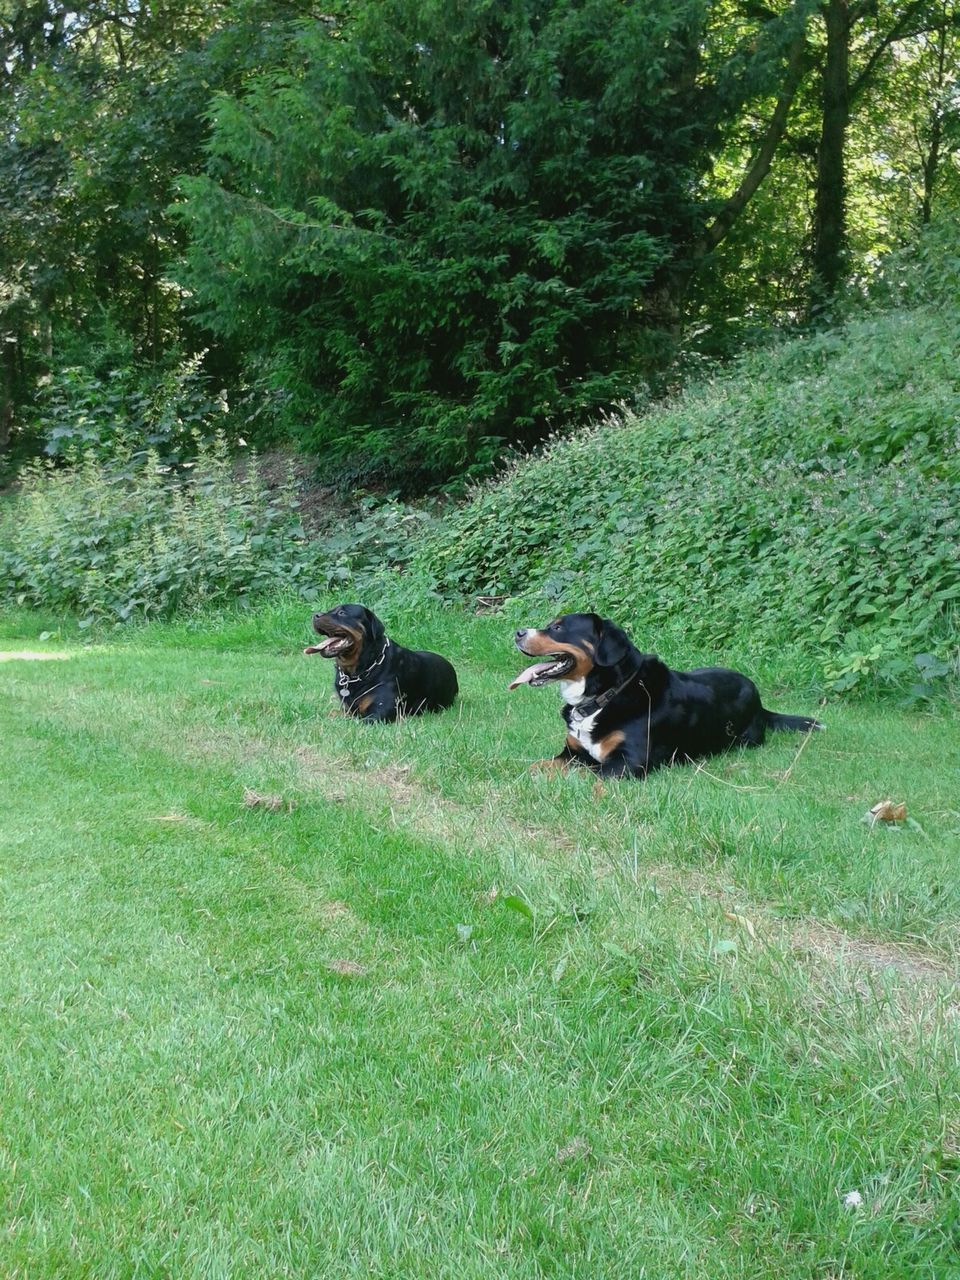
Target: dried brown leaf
pixel 575 1147
pixel 254 799
pixel 743 922
pixel 887 811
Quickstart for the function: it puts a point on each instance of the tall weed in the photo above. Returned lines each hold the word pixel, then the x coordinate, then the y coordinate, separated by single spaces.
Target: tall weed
pixel 139 539
pixel 136 539
pixel 130 409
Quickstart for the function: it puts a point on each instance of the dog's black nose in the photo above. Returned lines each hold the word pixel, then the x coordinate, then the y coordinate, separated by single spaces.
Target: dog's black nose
pixel 518 636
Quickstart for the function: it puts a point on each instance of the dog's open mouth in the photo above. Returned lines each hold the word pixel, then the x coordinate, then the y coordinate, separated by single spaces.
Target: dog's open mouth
pixel 330 646
pixel 559 665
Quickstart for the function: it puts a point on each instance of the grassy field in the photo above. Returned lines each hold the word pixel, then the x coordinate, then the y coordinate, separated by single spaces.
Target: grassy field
pixel 287 995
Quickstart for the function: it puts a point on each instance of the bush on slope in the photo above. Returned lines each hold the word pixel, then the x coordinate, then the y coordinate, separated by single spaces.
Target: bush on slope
pixel 809 498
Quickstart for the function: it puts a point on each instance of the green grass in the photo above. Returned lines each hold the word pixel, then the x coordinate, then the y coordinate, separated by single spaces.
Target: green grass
pixel 435 1016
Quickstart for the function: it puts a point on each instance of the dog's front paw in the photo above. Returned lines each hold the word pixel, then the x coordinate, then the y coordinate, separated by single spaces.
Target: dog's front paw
pixel 550 766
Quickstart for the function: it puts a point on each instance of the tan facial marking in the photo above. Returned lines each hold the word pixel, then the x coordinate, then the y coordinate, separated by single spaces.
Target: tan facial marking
pixel 538 645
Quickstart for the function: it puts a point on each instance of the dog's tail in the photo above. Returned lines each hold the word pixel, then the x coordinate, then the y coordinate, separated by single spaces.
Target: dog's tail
pixel 801 724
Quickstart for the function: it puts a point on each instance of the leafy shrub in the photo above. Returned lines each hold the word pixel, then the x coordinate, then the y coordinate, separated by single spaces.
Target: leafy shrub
pixel 442 228
pixel 81 411
pixel 925 271
pixel 810 498
pixel 136 539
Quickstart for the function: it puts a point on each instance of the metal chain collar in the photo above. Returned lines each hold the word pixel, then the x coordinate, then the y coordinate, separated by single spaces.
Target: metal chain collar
pixel 344 681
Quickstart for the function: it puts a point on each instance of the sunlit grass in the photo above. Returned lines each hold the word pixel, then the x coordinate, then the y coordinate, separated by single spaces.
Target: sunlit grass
pixel 31 655
pixel 434 1016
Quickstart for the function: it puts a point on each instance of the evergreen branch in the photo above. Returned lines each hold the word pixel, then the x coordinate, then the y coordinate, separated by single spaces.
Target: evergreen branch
pixel 301 224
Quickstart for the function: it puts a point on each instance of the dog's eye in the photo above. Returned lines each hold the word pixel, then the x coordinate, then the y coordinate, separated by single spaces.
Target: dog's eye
pixel 556 625
pixel 338 613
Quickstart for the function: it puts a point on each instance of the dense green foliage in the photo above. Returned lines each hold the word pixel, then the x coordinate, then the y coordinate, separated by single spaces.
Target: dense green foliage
pixel 132 541
pixel 451 224
pixel 807 498
pixel 81 411
pixel 419 231
pixel 102 106
pixel 810 498
pixel 137 539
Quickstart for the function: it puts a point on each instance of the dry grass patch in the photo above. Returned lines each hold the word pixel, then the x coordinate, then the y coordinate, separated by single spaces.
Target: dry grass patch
pixel 824 942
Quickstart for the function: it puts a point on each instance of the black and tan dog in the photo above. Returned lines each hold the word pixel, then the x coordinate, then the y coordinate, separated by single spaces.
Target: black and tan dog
pixel 628 713
pixel 376 678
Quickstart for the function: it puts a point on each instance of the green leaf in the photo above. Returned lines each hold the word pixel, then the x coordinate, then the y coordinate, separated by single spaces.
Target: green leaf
pixel 725 947
pixel 614 949
pixel 930 666
pixel 518 904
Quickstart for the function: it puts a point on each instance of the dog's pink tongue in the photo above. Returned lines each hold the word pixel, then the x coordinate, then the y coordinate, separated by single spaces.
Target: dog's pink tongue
pixel 322 647
pixel 530 673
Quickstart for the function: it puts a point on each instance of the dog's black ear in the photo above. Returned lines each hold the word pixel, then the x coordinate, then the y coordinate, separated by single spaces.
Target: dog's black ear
pixel 374 627
pixel 613 646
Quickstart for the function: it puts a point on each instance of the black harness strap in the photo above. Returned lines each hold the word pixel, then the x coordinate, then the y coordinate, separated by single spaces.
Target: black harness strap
pixel 584 709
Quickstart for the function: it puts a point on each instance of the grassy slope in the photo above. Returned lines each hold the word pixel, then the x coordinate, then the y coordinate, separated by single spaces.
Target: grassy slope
pixel 244 1042
pixel 808 499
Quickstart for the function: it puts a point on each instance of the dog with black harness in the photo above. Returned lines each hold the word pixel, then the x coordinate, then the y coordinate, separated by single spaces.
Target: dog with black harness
pixel 375 678
pixel 627 713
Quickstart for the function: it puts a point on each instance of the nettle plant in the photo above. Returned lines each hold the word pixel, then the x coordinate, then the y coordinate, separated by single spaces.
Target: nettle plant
pixel 141 539
pixel 129 410
pixel 923 678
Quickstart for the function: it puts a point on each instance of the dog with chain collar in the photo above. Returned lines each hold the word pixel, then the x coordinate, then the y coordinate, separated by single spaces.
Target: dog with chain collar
pixel 375 678
pixel 627 713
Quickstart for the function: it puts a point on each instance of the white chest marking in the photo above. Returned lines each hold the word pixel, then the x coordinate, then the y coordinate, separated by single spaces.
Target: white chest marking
pixel 580 727
pixel 582 730
pixel 572 690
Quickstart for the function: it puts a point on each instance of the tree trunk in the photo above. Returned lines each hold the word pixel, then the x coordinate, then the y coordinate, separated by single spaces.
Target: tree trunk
pixel 930 166
pixel 830 211
pixel 8 376
pixel 669 299
pixel 763 159
pixel 931 161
